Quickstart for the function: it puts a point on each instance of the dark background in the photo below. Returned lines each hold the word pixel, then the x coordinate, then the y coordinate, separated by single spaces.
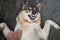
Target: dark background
pixel 9 9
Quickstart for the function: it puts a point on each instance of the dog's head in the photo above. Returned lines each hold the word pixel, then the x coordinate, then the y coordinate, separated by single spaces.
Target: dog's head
pixel 31 11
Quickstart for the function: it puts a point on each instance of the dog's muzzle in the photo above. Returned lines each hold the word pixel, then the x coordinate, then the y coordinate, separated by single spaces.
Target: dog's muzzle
pixel 32 16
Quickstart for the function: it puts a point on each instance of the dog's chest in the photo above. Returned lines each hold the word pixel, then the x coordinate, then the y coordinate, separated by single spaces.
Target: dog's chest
pixel 30 35
pixel 29 32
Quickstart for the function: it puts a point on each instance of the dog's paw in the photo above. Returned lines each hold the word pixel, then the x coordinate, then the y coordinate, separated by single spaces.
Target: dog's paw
pixel 58 28
pixel 1 26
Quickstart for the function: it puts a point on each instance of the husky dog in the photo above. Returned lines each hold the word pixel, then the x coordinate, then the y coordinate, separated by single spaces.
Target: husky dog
pixel 29 20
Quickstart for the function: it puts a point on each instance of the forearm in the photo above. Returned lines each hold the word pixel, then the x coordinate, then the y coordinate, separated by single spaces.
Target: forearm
pixel 6 30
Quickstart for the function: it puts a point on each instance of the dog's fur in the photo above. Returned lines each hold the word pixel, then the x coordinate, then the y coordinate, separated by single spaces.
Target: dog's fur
pixel 29 23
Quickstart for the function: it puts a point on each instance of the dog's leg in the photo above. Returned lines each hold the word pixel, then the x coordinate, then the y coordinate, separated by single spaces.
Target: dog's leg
pixel 6 30
pixel 47 28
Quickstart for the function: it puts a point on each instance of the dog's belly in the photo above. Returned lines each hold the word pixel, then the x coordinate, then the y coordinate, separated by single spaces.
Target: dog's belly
pixel 30 35
pixel 29 32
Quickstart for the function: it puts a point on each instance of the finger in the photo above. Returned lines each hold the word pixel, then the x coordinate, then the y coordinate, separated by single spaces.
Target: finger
pixel 17 34
pixel 10 35
pixel 18 31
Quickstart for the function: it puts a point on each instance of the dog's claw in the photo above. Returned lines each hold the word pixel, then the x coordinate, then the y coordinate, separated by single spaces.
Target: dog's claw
pixel 0 28
pixel 58 28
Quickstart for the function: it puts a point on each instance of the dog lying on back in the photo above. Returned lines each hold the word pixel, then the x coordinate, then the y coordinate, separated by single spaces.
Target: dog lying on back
pixel 29 20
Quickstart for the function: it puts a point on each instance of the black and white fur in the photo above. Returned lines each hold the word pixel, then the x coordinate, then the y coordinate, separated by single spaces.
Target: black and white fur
pixel 31 30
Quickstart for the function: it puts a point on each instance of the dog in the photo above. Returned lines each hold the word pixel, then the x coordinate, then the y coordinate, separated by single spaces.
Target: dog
pixel 29 20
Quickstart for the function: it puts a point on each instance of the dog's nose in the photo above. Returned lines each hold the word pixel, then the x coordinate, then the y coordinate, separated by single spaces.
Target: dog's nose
pixel 33 15
pixel 34 12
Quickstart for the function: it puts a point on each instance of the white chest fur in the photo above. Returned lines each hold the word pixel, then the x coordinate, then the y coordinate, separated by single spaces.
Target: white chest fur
pixel 29 31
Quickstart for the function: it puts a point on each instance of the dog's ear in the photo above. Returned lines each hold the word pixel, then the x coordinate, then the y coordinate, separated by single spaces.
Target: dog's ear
pixel 38 6
pixel 25 7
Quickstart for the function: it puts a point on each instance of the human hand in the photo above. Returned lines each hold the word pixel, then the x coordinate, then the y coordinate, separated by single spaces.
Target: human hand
pixel 14 35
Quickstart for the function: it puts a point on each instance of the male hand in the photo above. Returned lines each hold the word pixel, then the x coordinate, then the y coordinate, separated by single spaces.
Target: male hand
pixel 14 35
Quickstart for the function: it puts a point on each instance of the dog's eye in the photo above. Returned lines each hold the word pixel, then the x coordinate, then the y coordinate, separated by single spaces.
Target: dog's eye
pixel 27 11
pixel 30 8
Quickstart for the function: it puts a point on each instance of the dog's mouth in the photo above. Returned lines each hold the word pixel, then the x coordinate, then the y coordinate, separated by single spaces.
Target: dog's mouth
pixel 32 17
